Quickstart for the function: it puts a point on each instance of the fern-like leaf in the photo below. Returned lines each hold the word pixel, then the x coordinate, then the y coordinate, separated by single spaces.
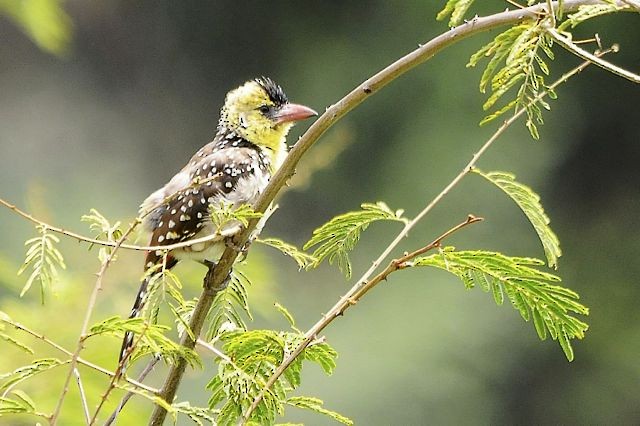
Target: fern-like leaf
pixel 44 259
pixel 531 291
pixel 21 403
pixel 151 339
pixel 590 11
pixel 303 259
pixel 225 213
pixel 529 203
pixel 336 238
pixel 23 373
pixel 104 229
pixel 315 404
pixel 517 61
pixel 199 415
pixel 229 307
pixel 455 9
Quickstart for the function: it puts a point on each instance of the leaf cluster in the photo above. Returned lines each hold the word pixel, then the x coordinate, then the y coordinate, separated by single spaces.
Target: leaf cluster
pixel 253 357
pixel 532 292
pixel 518 58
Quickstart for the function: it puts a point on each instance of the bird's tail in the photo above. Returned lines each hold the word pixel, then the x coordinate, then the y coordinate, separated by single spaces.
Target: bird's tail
pixel 138 305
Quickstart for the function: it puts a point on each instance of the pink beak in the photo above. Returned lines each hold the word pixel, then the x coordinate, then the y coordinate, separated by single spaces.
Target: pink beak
pixel 293 112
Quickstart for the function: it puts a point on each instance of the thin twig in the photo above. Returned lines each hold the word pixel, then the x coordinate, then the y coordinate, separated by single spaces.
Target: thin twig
pixel 332 115
pixel 143 375
pixel 578 51
pixel 106 243
pixel 85 323
pixel 83 396
pixel 363 285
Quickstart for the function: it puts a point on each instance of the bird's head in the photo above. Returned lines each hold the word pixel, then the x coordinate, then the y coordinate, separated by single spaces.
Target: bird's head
pixel 260 112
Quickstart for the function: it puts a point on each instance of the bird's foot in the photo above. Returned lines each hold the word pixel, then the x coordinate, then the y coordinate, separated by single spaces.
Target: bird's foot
pixel 210 277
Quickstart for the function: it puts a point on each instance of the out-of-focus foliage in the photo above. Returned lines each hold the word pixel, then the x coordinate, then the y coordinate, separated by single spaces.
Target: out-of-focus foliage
pixel 45 21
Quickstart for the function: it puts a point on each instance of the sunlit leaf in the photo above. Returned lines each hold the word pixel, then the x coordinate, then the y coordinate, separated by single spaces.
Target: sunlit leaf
pixel 529 203
pixel 529 289
pixel 336 238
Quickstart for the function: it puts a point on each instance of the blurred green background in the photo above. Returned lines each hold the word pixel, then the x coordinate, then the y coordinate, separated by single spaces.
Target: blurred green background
pixel 120 94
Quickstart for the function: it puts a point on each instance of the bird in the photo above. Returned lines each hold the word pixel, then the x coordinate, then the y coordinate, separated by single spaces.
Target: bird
pixel 234 168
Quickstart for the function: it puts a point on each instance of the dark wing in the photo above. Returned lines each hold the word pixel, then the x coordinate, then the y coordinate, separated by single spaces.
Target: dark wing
pixel 211 176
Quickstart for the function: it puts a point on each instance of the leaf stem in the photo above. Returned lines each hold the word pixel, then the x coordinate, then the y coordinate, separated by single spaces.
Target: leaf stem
pixel 594 58
pixel 89 311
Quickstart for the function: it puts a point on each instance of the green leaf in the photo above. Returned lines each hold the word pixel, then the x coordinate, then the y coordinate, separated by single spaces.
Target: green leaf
pixel 16 343
pixel 229 306
pixel 303 259
pixel 22 404
pixel 586 12
pixel 322 354
pixel 315 404
pixel 44 259
pixel 529 203
pixel 529 289
pixel 104 230
pixel 285 313
pixel 199 415
pixel 516 61
pixel 26 372
pixel 44 21
pixel 149 338
pixel 336 238
pixel 227 215
pixel 456 9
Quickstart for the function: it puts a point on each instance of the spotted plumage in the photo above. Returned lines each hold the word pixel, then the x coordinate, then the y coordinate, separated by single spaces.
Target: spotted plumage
pixel 249 146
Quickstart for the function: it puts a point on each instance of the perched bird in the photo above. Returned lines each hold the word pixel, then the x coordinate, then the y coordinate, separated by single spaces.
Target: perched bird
pixel 249 146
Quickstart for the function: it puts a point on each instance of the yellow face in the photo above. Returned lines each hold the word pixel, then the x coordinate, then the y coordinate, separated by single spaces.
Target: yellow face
pixel 252 112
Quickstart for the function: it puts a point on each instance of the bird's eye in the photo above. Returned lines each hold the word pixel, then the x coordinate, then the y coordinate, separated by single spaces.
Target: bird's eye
pixel 264 109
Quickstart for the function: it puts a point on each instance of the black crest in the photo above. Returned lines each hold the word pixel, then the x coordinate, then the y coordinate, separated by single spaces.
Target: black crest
pixel 275 92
